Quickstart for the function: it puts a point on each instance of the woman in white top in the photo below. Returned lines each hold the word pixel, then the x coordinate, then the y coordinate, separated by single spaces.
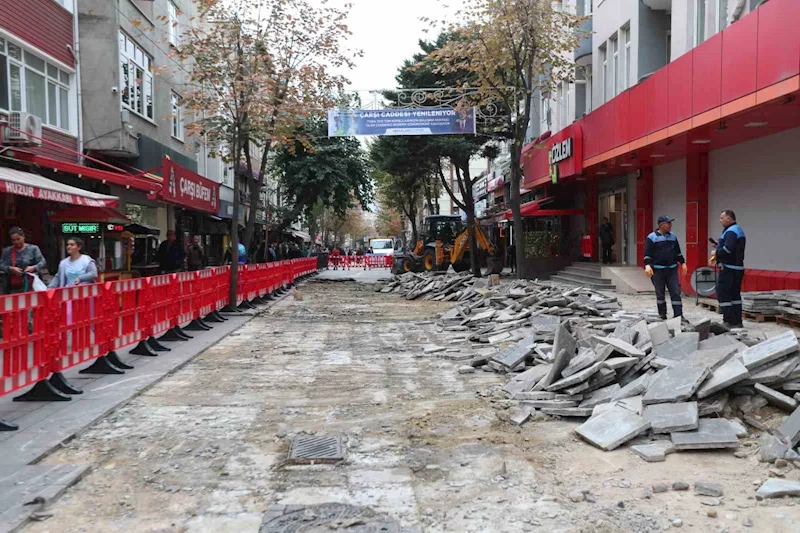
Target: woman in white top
pixel 77 268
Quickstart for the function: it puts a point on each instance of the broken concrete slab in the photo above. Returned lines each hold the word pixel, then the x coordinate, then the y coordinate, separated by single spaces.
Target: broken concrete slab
pixel 521 415
pixel 542 404
pixel 617 363
pixel 515 354
pixel 776 398
pixel 791 427
pixel 564 347
pixel 772 447
pixel 708 489
pixel 612 427
pixel 659 333
pixel 579 412
pixel 622 347
pixel 670 417
pixel 770 350
pixel 773 372
pixel 600 396
pixel 711 433
pixel 674 325
pixel 674 384
pixel 432 348
pixel 713 405
pixel 533 375
pixel 711 359
pixel 654 452
pixel 578 377
pixel 717 341
pixel 731 372
pixel 586 357
pixel 539 395
pixel 634 388
pixel 678 347
pixel 545 323
pixel 778 488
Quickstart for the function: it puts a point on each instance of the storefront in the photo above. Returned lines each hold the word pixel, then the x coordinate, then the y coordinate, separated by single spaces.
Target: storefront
pixel 104 237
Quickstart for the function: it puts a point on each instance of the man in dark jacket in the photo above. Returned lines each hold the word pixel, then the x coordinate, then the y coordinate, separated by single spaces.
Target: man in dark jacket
pixel 195 255
pixel 606 240
pixel 170 254
pixel 662 255
pixel 729 257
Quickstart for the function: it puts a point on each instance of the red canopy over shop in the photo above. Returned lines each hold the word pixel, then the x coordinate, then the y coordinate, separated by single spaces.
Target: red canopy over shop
pixel 31 185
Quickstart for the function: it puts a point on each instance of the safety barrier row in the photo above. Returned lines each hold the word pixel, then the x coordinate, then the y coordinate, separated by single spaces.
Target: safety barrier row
pixel 347 262
pixel 46 333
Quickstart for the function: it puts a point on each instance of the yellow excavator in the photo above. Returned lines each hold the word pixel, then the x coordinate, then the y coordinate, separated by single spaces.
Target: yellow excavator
pixel 445 242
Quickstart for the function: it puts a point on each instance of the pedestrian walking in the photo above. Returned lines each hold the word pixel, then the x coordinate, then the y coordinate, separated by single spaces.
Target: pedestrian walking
pixel 170 254
pixel 196 255
pixel 512 257
pixel 19 260
pixel 607 240
pixel 76 268
pixel 662 255
pixel 729 257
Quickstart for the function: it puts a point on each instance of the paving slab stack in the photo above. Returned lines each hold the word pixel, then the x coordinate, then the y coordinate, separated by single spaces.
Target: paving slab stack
pixel 659 386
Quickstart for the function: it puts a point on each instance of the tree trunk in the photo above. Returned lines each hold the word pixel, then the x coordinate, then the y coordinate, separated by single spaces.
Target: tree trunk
pixel 516 171
pixel 255 196
pixel 473 244
pixel 234 244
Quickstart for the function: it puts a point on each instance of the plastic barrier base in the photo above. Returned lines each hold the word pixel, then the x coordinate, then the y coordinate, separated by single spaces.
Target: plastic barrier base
pixel 114 359
pixel 174 335
pixel 7 426
pixel 101 365
pixel 43 391
pixel 58 381
pixel 157 346
pixel 197 325
pixel 214 316
pixel 246 305
pixel 143 349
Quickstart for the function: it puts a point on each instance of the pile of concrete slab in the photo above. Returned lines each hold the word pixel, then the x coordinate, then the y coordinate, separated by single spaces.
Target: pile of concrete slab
pixel 772 302
pixel 572 352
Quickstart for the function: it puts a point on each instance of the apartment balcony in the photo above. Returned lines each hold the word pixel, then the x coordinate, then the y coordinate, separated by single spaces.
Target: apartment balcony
pixel 583 53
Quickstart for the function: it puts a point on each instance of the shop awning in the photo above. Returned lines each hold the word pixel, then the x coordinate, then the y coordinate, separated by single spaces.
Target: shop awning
pixel 142 229
pixel 90 214
pixel 21 183
pixel 529 209
pixel 297 234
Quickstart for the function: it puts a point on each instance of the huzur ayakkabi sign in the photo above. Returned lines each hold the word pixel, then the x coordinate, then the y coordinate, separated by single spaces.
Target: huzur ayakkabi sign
pixel 559 152
pixel 401 121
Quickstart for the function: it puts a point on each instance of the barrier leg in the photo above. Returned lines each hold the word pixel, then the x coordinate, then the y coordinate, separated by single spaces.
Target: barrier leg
pixel 213 317
pixel 219 316
pixel 101 365
pixel 114 359
pixel 58 381
pixel 143 349
pixel 7 426
pixel 246 305
pixel 44 391
pixel 197 325
pixel 157 346
pixel 173 335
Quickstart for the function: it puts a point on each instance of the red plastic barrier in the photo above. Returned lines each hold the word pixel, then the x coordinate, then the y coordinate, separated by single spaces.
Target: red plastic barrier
pixel 24 357
pixel 78 324
pixel 162 305
pixel 184 295
pixel 127 312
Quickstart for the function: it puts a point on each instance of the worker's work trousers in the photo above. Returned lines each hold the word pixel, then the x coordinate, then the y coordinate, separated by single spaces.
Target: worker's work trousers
pixel 667 278
pixel 729 294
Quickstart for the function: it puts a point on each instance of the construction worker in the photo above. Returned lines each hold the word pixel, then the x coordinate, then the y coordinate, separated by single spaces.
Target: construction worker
pixel 662 255
pixel 729 256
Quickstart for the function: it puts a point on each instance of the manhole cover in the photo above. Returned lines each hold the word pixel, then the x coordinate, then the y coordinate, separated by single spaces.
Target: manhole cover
pixel 325 518
pixel 309 449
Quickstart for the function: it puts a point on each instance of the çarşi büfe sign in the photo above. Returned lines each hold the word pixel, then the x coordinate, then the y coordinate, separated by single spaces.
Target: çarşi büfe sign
pixel 561 151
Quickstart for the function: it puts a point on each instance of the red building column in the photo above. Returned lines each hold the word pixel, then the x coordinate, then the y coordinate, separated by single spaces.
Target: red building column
pixel 644 211
pixel 696 216
pixel 591 215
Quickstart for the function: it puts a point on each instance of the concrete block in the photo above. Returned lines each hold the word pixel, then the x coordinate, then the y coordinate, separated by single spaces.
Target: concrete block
pixel 515 354
pixel 654 452
pixel 669 417
pixel 791 427
pixel 731 372
pixel 659 333
pixel 678 347
pixel 578 377
pixel 674 384
pixel 713 405
pixel 586 357
pixel 634 388
pixel 708 489
pixel 622 347
pixel 776 398
pixel 600 396
pixel 564 346
pixel 521 415
pixel 773 447
pixel 711 433
pixel 612 427
pixel 770 350
pixel 773 372
pixel 778 488
pixel 617 363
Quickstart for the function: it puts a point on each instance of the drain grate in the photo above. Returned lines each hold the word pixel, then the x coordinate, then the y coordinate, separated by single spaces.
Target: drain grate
pixel 315 449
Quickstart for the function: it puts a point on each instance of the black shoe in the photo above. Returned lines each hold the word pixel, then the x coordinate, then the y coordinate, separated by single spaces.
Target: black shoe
pixel 719 329
pixel 662 317
pixel 734 326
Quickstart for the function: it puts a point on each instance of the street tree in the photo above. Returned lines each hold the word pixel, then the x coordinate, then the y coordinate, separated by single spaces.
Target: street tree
pixel 402 192
pixel 512 49
pixel 259 69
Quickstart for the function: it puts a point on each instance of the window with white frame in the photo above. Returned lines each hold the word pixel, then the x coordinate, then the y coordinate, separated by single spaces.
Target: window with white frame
pixel 604 92
pixel 66 3
pixel 699 21
pixel 136 77
pixel 174 29
pixel 546 119
pixel 177 116
pixel 31 84
pixel 626 59
pixel 615 72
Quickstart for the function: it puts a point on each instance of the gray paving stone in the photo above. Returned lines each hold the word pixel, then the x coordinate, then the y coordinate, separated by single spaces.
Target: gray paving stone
pixel 600 396
pixel 542 404
pixel 586 357
pixel 580 412
pixel 538 395
pixel 731 372
pixel 669 417
pixel 659 333
pixel 515 354
pixel 711 433
pixel 617 363
pixel 713 404
pixel 521 415
pixel 708 489
pixel 712 358
pixel 576 378
pixel 791 427
pixel 642 332
pixel 674 325
pixel 776 398
pixel 564 346
pixel 545 323
pixel 675 384
pixel 634 388
pixel 622 347
pixel 612 427
pixel 717 341
pixel 778 488
pixel 654 452
pixel 773 372
pixel 678 347
pixel 770 350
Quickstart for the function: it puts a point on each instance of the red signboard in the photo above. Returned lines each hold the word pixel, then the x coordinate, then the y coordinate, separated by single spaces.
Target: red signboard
pixel 53 195
pixel 189 189
pixel 558 157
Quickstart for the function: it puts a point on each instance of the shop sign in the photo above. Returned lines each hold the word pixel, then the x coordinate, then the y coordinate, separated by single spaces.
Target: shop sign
pixel 559 152
pixel 189 189
pixel 496 183
pixel 115 227
pixel 480 188
pixel 80 228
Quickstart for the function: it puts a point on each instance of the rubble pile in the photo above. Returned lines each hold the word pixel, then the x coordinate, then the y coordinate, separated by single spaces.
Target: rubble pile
pixel 785 303
pixel 573 352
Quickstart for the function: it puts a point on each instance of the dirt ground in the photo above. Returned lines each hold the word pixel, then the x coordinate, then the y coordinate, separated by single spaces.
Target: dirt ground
pixel 204 450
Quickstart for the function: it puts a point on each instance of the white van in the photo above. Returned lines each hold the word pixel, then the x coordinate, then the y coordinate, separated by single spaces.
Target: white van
pixel 382 246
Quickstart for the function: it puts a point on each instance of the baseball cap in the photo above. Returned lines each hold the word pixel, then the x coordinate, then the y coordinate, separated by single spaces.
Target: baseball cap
pixel 664 218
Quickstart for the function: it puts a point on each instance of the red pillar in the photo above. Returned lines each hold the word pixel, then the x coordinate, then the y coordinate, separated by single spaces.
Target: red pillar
pixel 591 215
pixel 644 211
pixel 696 216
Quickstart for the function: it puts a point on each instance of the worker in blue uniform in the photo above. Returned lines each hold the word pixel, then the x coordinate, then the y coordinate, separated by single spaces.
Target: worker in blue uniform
pixel 729 257
pixel 662 255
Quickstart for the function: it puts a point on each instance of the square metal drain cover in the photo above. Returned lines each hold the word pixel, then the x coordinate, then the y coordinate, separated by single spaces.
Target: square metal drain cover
pixel 315 449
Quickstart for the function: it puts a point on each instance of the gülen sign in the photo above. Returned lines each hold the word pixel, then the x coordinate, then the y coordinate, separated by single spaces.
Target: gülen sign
pixel 184 187
pixel 559 152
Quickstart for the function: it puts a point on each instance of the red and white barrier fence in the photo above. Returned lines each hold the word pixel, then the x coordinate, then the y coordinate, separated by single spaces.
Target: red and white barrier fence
pixel 45 333
pixel 346 262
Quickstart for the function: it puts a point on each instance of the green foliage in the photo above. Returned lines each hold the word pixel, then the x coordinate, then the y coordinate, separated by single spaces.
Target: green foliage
pixel 541 244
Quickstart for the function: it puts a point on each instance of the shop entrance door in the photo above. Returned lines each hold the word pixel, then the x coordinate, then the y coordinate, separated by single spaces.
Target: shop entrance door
pixel 614 206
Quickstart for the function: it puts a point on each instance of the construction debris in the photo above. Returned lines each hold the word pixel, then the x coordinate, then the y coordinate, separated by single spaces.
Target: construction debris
pixel 574 352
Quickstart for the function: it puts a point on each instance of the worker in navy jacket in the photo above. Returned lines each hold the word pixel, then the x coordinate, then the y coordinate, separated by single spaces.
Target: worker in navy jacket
pixel 662 255
pixel 729 256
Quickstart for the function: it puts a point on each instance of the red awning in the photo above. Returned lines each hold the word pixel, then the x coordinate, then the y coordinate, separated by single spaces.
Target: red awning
pixel 32 185
pixel 529 209
pixel 90 214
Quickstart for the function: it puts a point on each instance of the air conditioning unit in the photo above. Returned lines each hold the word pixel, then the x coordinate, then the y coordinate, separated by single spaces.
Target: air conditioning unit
pixel 27 129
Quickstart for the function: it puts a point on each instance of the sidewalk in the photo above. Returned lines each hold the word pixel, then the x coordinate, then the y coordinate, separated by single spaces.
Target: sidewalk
pixel 44 426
